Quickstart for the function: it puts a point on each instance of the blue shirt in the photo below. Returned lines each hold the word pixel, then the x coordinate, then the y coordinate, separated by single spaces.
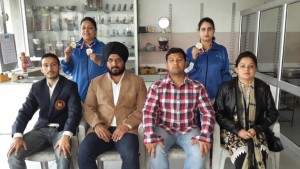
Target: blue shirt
pixel 82 68
pixel 211 68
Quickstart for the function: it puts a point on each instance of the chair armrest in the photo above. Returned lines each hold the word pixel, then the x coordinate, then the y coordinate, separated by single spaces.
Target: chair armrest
pixel 74 150
pixel 142 147
pixel 82 129
pixel 276 129
pixel 216 136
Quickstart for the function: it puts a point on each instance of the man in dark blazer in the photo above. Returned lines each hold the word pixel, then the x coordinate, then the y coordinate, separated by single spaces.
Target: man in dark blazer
pixel 59 115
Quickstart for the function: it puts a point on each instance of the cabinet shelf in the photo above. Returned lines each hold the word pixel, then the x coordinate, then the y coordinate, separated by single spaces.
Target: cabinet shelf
pixel 155 51
pixel 115 24
pixel 166 33
pixel 102 12
pixel 117 36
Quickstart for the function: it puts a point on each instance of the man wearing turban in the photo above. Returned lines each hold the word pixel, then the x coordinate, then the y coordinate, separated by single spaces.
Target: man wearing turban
pixel 113 110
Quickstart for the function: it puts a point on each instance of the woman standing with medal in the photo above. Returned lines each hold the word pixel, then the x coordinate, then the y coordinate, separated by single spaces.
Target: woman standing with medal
pixel 83 59
pixel 208 61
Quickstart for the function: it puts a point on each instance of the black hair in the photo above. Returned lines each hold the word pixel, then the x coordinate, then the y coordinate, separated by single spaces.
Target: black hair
pixel 89 19
pixel 176 50
pixel 246 54
pixel 51 55
pixel 209 20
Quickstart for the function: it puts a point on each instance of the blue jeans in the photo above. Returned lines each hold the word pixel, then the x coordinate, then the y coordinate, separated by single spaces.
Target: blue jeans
pixel 38 140
pixel 92 146
pixel 193 158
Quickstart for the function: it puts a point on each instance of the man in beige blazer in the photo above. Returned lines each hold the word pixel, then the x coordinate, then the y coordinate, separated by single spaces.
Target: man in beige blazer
pixel 113 109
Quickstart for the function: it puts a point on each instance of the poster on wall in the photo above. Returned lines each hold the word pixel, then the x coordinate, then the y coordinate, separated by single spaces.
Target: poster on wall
pixel 8 49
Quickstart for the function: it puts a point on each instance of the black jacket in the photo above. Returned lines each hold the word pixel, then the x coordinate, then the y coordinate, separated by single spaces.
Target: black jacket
pixel 64 107
pixel 226 104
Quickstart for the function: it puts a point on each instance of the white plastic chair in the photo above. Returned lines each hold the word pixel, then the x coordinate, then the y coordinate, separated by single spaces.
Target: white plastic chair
pixel 48 155
pixel 220 153
pixel 43 157
pixel 113 155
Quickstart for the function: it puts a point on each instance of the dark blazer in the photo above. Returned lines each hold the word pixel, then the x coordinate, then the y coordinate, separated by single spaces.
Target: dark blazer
pixel 226 105
pixel 64 107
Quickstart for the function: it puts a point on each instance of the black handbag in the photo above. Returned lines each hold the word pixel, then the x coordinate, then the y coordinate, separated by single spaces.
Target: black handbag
pixel 274 143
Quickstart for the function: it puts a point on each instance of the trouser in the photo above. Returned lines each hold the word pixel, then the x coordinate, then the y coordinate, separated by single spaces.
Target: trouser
pixel 36 141
pixel 193 158
pixel 92 146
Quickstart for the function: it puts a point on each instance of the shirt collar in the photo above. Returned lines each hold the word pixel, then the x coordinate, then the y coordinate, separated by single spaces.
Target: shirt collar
pixel 251 85
pixel 113 80
pixel 54 84
pixel 168 80
pixel 81 44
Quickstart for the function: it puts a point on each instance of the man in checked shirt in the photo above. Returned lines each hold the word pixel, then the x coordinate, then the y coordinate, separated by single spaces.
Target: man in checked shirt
pixel 170 116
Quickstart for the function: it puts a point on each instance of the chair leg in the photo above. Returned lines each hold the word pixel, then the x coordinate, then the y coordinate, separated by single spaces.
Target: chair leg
pixel 275 157
pixel 100 164
pixel 44 165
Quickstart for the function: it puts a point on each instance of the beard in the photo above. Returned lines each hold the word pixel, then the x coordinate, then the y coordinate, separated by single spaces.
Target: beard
pixel 118 70
pixel 52 76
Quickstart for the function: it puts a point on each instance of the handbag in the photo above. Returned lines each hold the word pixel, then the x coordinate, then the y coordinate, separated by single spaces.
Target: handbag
pixel 274 143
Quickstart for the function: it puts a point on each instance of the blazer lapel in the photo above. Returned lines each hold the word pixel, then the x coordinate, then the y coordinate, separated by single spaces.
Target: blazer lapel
pixel 108 88
pixel 46 94
pixel 124 87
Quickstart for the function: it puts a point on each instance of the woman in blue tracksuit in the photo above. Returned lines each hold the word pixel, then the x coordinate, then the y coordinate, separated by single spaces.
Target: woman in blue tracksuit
pixel 84 61
pixel 209 64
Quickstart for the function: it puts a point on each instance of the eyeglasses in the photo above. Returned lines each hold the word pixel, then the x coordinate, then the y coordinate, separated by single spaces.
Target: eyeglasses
pixel 114 60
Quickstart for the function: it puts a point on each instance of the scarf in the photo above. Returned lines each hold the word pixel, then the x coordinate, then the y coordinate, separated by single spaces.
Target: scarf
pixel 254 159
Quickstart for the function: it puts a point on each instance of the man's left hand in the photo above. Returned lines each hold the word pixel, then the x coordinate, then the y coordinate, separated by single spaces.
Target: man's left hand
pixel 64 146
pixel 204 147
pixel 119 132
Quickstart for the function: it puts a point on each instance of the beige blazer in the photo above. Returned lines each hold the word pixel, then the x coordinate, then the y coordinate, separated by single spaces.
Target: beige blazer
pixel 99 103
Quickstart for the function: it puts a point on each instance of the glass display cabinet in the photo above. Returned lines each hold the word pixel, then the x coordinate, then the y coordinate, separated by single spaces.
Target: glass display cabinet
pixel 52 25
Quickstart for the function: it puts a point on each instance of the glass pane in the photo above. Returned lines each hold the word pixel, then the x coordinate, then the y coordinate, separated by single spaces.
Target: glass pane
pixel 248 32
pixel 289 118
pixel 269 40
pixel 291 60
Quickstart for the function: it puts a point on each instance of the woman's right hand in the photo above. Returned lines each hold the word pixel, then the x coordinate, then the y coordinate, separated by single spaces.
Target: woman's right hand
pixel 244 134
pixel 68 54
pixel 195 53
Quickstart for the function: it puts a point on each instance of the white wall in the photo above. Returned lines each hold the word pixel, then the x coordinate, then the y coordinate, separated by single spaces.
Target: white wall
pixel 186 14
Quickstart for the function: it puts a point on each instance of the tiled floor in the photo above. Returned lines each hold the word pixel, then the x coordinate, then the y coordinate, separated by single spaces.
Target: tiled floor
pixel 288 159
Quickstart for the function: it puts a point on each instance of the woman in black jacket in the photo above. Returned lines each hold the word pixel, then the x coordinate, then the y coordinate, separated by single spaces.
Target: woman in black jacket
pixel 245 108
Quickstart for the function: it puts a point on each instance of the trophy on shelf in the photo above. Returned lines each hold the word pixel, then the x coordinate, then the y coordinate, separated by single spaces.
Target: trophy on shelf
pixel 38 50
pixel 163 44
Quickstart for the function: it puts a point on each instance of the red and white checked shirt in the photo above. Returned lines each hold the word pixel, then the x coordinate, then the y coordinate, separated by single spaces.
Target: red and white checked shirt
pixel 175 109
